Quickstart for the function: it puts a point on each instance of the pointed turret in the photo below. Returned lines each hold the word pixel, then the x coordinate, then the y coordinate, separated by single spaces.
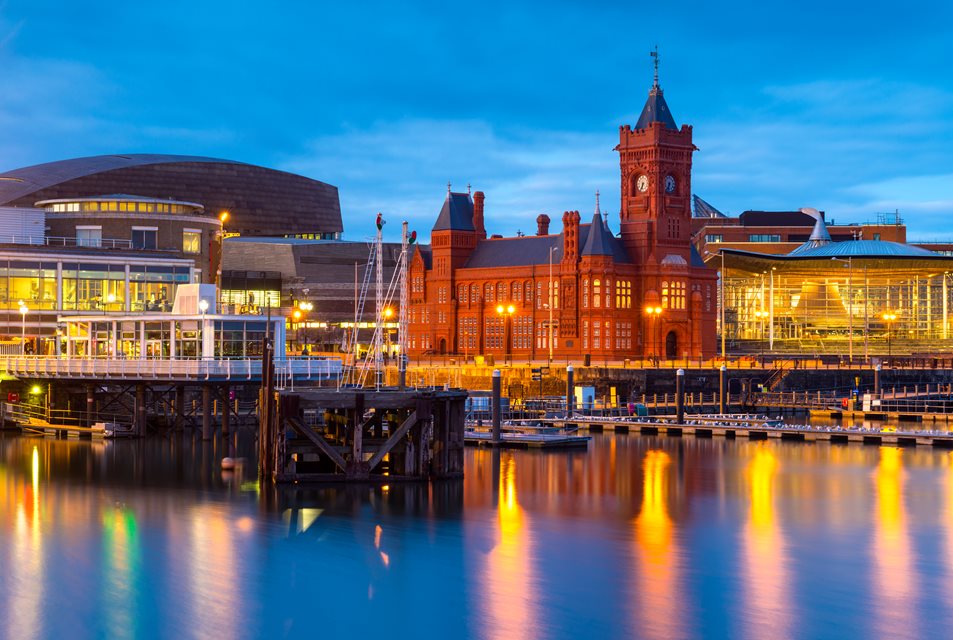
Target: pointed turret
pixel 599 241
pixel 456 213
pixel 656 109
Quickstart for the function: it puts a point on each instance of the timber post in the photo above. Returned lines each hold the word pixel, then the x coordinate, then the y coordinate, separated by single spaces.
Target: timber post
pixel 495 408
pixel 722 375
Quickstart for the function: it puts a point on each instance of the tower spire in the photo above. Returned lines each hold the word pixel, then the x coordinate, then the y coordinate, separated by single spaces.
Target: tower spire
pixel 654 54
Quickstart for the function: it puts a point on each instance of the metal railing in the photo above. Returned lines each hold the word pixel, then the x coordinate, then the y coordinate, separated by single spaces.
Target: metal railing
pixel 287 371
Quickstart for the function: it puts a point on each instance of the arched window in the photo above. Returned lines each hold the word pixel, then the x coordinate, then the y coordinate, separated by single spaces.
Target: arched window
pixel 665 294
pixel 608 294
pixel 596 293
pixel 500 292
pixel 462 293
pixel 585 293
pixel 529 291
pixel 517 289
pixel 488 292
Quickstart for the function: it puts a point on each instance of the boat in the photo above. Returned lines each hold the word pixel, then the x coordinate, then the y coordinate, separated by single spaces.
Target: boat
pixel 115 429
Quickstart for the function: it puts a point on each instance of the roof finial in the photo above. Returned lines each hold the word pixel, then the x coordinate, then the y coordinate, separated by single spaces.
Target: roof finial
pixel 468 188
pixel 654 54
pixel 448 186
pixel 597 202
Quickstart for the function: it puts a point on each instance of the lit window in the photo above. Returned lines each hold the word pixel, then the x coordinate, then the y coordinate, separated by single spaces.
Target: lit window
pixel 191 241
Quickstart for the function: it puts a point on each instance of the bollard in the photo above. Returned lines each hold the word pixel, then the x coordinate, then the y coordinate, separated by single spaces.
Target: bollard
pixel 877 380
pixel 680 396
pixel 722 374
pixel 496 407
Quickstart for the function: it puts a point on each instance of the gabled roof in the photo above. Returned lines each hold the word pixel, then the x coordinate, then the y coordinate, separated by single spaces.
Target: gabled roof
pixel 656 110
pixel 456 213
pixel 599 242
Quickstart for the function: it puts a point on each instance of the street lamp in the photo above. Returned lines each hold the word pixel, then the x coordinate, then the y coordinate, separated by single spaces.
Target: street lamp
pixel 550 305
pixel 889 317
pixel 761 315
pixel 23 312
pixel 506 313
pixel 655 316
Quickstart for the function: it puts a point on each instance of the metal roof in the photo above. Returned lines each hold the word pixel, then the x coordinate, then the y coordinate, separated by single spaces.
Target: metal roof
pixel 862 249
pixel 24 181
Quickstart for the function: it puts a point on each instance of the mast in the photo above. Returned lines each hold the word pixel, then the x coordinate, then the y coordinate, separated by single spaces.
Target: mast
pixel 379 299
pixel 402 341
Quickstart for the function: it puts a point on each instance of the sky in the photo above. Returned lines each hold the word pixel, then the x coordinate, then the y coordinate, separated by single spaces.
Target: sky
pixel 842 106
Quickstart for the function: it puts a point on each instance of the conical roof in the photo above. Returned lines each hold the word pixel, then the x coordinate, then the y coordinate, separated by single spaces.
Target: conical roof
pixel 656 110
pixel 599 242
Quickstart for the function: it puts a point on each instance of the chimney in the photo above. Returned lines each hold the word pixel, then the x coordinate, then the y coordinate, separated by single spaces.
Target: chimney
pixel 478 214
pixel 542 225
pixel 571 236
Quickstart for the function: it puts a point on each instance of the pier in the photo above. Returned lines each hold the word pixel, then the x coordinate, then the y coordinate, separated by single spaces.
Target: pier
pixel 326 435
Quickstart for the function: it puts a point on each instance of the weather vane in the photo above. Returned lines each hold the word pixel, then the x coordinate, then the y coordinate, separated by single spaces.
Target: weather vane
pixel 654 54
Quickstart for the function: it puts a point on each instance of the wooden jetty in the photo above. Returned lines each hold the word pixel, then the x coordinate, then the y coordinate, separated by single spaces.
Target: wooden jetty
pixel 325 435
pixel 760 430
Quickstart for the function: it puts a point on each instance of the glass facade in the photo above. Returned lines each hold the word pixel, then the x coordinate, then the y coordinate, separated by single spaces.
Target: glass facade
pixel 823 307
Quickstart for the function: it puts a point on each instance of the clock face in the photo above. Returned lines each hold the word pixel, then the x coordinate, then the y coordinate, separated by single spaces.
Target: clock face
pixel 669 184
pixel 642 184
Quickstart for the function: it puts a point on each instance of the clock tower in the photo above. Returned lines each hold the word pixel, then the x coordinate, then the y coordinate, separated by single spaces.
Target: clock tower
pixel 655 161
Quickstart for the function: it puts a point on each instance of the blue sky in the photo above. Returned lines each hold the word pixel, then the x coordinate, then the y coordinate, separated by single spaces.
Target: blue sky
pixel 846 107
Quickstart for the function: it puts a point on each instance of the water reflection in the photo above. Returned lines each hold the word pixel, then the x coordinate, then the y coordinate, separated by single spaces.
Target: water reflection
pixel 638 536
pixel 763 547
pixel 24 615
pixel 890 551
pixel 662 607
pixel 508 576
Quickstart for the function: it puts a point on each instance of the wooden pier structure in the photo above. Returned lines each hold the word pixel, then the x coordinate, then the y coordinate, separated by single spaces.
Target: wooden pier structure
pixel 759 430
pixel 327 435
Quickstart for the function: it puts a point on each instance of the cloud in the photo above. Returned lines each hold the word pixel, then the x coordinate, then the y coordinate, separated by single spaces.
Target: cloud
pixel 402 169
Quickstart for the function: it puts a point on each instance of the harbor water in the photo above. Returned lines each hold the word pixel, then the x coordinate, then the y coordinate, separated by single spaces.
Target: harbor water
pixel 636 537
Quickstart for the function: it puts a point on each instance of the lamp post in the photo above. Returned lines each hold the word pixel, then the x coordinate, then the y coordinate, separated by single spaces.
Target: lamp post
pixel 654 317
pixel 23 312
pixel 388 314
pixel 507 314
pixel 761 315
pixel 305 307
pixel 550 333
pixel 889 317
pixel 223 218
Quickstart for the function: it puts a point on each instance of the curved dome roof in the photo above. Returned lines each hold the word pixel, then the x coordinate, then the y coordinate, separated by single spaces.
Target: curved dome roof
pixel 260 201
pixel 861 249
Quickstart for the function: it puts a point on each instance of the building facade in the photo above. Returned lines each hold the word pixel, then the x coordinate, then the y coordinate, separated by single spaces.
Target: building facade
pixel 643 293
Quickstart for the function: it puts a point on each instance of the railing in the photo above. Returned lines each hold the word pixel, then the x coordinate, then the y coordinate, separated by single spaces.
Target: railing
pixel 287 371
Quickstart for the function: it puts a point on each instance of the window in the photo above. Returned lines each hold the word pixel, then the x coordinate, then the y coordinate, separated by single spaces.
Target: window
pixel 596 293
pixel 876 236
pixel 500 292
pixel 673 295
pixel 764 237
pixel 488 292
pixel 191 241
pixel 89 236
pixel 144 237
pixel 517 289
pixel 623 294
pixel 715 237
pixel 585 293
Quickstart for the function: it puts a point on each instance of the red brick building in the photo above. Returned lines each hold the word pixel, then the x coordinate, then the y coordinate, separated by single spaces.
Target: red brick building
pixel 472 295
